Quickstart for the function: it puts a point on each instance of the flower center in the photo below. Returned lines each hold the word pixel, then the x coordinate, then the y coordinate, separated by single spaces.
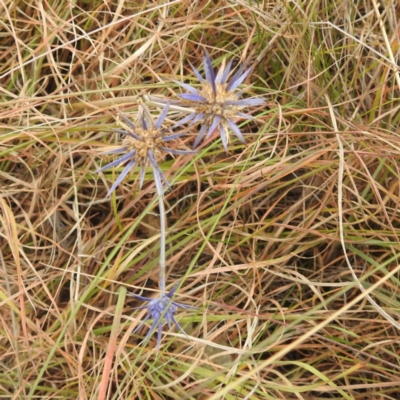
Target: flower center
pixel 216 103
pixel 151 140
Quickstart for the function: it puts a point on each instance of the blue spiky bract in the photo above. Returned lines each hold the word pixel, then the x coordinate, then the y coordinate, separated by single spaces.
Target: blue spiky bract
pixel 216 103
pixel 159 309
pixel 143 146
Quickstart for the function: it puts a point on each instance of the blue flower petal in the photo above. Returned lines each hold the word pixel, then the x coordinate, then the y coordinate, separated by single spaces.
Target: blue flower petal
pixel 210 77
pixel 121 160
pixel 145 118
pixel 121 177
pixel 213 125
pixel 219 75
pixel 172 137
pixel 140 298
pixel 184 120
pixel 178 326
pixel 187 87
pixel 198 118
pixel 236 130
pixel 141 178
pixel 200 135
pixel 222 133
pixel 144 124
pixel 156 322
pixel 245 116
pixel 172 291
pixel 194 116
pixel 238 79
pixel 197 73
pixel 226 72
pixel 120 131
pixel 223 73
pixel 145 319
pixel 134 135
pixel 192 97
pixel 128 121
pixel 161 117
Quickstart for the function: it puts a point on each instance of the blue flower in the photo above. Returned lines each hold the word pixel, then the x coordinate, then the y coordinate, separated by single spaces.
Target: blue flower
pixel 160 308
pixel 216 103
pixel 143 146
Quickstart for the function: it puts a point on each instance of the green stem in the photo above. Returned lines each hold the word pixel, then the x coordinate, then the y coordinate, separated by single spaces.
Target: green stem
pixel 161 207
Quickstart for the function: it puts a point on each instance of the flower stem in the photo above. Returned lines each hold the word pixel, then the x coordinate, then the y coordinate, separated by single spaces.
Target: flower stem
pixel 161 207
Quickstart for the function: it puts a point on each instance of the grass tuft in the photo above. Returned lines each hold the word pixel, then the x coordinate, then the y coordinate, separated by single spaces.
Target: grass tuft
pixel 288 245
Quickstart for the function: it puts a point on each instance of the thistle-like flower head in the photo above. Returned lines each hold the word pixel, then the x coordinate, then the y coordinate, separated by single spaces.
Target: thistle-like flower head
pixel 160 308
pixel 144 146
pixel 216 103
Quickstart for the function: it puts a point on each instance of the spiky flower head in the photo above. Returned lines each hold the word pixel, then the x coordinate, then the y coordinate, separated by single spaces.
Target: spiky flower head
pixel 159 308
pixel 144 146
pixel 216 104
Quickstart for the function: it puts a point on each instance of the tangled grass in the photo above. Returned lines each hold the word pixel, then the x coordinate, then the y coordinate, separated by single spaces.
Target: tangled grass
pixel 287 245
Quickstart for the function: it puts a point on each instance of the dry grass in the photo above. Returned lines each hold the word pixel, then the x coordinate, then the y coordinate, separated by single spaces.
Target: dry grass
pixel 266 240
